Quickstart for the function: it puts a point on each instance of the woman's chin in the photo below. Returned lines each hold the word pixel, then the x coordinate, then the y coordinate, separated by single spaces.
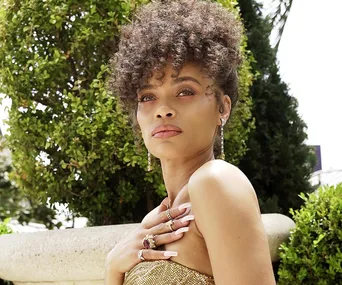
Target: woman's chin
pixel 170 155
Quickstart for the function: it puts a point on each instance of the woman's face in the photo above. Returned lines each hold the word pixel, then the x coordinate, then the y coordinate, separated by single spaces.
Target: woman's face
pixel 176 116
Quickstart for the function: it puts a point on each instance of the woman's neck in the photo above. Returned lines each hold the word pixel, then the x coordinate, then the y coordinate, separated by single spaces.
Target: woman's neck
pixel 176 173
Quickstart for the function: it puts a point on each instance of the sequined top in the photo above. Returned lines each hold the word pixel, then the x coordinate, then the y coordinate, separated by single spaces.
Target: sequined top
pixel 165 272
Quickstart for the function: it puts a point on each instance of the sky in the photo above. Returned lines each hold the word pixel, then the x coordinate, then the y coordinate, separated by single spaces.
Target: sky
pixel 310 61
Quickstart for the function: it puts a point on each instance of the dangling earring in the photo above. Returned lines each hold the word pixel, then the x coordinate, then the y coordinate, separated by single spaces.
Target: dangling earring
pixel 149 167
pixel 222 140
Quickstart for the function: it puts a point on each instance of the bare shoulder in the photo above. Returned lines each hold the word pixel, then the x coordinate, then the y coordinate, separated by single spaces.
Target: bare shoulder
pixel 218 177
pixel 228 218
pixel 217 169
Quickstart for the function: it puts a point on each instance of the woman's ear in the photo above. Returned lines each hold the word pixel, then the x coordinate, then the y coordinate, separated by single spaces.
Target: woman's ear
pixel 225 108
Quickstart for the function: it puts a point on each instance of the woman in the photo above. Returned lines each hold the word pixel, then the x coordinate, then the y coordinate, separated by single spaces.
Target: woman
pixel 175 72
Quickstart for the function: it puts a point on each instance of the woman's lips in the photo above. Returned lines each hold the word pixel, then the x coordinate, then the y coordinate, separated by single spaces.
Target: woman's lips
pixel 166 134
pixel 166 131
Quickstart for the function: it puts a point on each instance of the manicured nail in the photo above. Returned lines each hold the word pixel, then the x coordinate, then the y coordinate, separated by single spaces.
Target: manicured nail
pixel 185 205
pixel 187 218
pixel 181 230
pixel 170 253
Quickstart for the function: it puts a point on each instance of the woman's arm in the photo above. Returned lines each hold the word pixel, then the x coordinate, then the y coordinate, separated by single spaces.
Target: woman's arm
pixel 112 278
pixel 228 217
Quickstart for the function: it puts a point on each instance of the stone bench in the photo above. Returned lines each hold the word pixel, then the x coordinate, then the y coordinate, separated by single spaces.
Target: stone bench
pixel 77 256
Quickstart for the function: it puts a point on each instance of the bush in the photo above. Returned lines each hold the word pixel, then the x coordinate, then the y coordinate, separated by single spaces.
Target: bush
pixel 313 254
pixel 4 228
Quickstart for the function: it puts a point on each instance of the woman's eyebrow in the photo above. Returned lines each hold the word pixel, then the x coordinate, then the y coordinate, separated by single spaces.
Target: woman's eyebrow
pixel 174 82
pixel 185 78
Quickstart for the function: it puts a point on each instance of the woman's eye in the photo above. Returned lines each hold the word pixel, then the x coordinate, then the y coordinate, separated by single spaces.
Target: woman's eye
pixel 145 98
pixel 186 92
pixel 150 97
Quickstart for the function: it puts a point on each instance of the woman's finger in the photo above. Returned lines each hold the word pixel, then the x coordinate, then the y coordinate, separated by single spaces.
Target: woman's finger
pixel 171 226
pixel 164 205
pixel 150 254
pixel 170 237
pixel 165 216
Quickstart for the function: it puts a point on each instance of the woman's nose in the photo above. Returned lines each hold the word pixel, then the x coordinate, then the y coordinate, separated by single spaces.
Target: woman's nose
pixel 165 112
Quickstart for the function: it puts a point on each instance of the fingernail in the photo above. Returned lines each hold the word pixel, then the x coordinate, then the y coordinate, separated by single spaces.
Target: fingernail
pixel 187 218
pixel 181 230
pixel 170 253
pixel 185 205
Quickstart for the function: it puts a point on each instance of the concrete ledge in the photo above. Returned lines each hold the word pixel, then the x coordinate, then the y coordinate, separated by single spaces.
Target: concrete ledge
pixel 278 230
pixel 77 256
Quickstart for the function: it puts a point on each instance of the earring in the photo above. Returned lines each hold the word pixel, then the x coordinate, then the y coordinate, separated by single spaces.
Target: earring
pixel 149 168
pixel 222 140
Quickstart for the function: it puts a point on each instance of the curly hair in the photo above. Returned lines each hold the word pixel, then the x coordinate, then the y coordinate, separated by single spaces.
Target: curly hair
pixel 185 31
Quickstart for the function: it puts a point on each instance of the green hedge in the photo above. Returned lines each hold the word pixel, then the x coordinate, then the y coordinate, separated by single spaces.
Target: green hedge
pixel 313 254
pixel 4 228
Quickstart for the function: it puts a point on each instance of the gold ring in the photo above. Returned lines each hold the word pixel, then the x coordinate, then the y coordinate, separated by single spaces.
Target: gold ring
pixel 140 255
pixel 168 215
pixel 148 242
pixel 170 224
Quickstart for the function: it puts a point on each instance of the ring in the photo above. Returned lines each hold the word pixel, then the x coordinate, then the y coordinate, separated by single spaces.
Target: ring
pixel 148 242
pixel 170 224
pixel 168 215
pixel 140 255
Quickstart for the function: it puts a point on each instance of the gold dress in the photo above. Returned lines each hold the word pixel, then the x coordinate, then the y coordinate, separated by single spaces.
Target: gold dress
pixel 165 272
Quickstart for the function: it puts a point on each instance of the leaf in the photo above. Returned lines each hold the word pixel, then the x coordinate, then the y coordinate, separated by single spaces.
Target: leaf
pixel 316 242
pixel 93 9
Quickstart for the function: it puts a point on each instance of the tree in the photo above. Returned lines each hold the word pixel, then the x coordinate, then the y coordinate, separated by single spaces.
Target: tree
pixel 15 204
pixel 70 140
pixel 277 162
pixel 279 17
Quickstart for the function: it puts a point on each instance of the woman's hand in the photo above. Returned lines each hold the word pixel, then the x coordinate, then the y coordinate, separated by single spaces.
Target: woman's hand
pixel 124 255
